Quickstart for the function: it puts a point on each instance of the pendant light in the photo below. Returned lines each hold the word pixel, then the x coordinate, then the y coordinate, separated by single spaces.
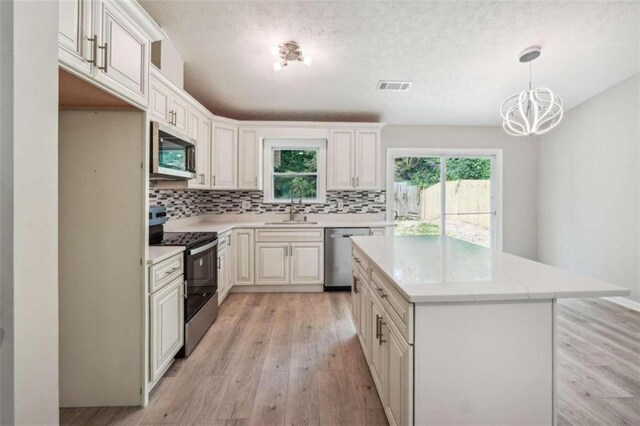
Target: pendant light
pixel 532 111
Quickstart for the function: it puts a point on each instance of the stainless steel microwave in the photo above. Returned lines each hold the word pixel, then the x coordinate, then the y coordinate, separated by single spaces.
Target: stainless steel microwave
pixel 173 155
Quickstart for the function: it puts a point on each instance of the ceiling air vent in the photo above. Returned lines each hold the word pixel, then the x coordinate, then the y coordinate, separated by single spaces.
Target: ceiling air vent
pixel 394 86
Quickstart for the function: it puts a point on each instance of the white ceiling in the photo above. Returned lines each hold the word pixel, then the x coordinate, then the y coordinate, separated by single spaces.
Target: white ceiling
pixel 461 56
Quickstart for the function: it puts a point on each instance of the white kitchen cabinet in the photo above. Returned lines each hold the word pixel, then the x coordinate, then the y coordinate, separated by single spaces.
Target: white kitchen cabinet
pixel 224 266
pixel 307 263
pixel 74 31
pixel 354 159
pixel 378 349
pixel 108 43
pixel 272 263
pixel 180 110
pixel 123 52
pixel 159 95
pixel 340 159
pixel 367 159
pixel 224 161
pixel 249 156
pixel 200 132
pixel 167 326
pixel 398 376
pixel 243 255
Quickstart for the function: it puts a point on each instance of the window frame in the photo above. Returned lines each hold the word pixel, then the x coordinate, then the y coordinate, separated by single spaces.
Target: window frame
pixel 444 154
pixel 271 145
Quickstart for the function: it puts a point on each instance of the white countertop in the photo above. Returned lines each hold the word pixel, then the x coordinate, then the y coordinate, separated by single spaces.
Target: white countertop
pixel 221 227
pixel 442 269
pixel 160 253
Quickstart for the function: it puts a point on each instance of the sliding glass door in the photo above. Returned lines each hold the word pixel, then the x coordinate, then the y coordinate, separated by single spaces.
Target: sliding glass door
pixel 445 193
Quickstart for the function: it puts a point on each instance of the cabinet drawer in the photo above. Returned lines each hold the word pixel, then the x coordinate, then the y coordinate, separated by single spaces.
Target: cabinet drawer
pixel 224 240
pixel 399 310
pixel 164 272
pixel 307 234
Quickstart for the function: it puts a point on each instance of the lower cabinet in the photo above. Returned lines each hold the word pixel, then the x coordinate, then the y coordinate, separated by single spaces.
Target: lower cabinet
pixel 167 326
pixel 289 263
pixel 243 256
pixel 388 353
pixel 225 268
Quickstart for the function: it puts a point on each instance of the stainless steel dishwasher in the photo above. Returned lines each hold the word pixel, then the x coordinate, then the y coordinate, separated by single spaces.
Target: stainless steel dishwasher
pixel 337 257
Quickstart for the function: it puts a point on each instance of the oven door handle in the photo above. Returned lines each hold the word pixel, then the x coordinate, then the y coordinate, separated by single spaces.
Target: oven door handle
pixel 203 248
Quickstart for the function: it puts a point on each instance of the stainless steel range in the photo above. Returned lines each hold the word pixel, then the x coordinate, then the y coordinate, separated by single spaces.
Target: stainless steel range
pixel 200 266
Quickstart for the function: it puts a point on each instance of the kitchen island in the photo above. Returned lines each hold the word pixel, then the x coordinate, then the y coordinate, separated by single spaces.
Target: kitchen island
pixel 455 333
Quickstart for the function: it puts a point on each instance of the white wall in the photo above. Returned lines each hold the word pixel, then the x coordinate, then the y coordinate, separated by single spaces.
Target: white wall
pixel 589 187
pixel 29 213
pixel 519 172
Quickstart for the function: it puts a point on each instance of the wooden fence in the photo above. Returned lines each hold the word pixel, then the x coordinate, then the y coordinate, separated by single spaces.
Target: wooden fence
pixel 463 196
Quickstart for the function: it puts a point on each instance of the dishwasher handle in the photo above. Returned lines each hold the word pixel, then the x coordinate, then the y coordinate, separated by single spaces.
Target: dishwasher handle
pixel 346 235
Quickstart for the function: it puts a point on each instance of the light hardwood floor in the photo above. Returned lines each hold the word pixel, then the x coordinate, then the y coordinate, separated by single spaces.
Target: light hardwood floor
pixel 294 359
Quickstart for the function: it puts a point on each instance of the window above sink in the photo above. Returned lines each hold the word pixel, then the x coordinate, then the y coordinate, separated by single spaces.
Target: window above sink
pixel 295 167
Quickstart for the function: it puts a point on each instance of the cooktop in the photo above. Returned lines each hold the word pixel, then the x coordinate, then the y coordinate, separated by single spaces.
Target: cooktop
pixel 188 239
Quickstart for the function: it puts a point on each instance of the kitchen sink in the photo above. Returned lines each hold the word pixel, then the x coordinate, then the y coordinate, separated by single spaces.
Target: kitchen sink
pixel 291 223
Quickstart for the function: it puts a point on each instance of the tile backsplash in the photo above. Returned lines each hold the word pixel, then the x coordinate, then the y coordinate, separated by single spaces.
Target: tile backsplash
pixel 183 203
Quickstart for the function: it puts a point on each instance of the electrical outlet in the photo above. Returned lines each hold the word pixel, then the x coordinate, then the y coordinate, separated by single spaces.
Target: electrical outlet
pixel 382 198
pixel 246 205
pixel 340 205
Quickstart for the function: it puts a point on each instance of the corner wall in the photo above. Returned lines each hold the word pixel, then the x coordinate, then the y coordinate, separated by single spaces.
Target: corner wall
pixel 29 212
pixel 589 188
pixel 519 172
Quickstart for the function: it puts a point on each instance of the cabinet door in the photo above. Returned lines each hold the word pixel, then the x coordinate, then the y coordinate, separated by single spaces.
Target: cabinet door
pixel 364 319
pixel 398 380
pixel 180 110
pixel 340 160
pixel 272 263
pixel 225 157
pixel 167 326
pixel 355 302
pixel 200 131
pixel 307 263
pixel 74 30
pixel 158 101
pixel 367 159
pixel 378 349
pixel 243 264
pixel 249 159
pixel 123 53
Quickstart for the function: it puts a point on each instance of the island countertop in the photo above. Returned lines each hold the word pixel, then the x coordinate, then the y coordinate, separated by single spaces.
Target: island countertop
pixel 441 269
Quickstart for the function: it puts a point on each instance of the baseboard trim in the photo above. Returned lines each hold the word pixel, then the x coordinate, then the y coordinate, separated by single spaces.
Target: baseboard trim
pixel 284 288
pixel 623 301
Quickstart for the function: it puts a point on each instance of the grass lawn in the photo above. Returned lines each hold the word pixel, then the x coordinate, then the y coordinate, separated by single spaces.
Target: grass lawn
pixel 416 227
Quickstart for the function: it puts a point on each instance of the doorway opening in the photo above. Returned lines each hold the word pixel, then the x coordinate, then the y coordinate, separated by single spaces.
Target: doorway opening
pixel 453 193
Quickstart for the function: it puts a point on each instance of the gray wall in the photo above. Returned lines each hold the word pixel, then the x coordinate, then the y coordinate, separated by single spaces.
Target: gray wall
pixel 589 186
pixel 29 211
pixel 519 172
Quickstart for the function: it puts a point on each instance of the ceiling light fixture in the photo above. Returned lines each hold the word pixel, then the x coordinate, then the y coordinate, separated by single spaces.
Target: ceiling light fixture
pixel 532 111
pixel 287 52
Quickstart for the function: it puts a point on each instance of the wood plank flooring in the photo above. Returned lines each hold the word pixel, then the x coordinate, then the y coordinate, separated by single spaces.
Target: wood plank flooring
pixel 274 359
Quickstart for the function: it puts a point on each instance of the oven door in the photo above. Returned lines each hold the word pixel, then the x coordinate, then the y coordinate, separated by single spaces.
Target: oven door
pixel 201 274
pixel 173 156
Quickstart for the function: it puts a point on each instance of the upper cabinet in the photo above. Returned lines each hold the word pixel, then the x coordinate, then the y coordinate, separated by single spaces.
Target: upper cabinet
pixel 354 159
pixel 200 132
pixel 168 104
pixel 108 43
pixel 249 158
pixel 224 160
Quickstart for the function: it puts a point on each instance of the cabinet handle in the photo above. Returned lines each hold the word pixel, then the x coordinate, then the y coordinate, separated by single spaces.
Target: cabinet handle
pixel 184 289
pixel 104 48
pixel 286 251
pixel 378 318
pixel 381 292
pixel 380 339
pixel 213 178
pixel 94 49
pixel 355 284
pixel 218 263
pixel 175 117
pixel 256 179
pixel 357 181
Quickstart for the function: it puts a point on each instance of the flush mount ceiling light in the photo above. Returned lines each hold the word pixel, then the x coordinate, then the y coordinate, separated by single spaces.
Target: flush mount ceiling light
pixel 287 52
pixel 533 111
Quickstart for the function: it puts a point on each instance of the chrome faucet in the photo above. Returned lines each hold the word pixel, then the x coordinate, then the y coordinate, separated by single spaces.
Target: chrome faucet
pixel 292 212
